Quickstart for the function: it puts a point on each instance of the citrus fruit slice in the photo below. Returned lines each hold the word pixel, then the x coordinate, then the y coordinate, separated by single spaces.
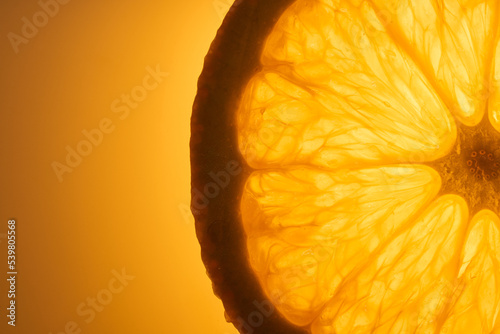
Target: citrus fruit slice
pixel 346 161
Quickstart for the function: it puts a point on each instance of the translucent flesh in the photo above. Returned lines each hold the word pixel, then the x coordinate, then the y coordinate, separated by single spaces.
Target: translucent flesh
pixel 493 92
pixel 347 231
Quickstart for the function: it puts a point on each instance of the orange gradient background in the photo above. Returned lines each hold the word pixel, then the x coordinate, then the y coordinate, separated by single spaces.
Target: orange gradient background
pixel 126 204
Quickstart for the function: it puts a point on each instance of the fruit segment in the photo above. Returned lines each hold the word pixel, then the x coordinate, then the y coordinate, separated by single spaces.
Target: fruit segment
pixel 476 305
pixel 309 231
pixel 336 89
pixel 494 91
pixel 282 123
pixel 406 286
pixel 453 42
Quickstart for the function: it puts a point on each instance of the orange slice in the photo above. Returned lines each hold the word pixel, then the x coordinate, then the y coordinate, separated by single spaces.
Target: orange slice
pixel 367 132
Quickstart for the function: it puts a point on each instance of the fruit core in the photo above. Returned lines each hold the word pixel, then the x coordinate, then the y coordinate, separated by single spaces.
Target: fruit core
pixel 472 168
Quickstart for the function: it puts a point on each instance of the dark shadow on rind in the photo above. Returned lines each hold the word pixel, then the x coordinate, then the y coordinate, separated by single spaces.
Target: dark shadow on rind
pixel 233 58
